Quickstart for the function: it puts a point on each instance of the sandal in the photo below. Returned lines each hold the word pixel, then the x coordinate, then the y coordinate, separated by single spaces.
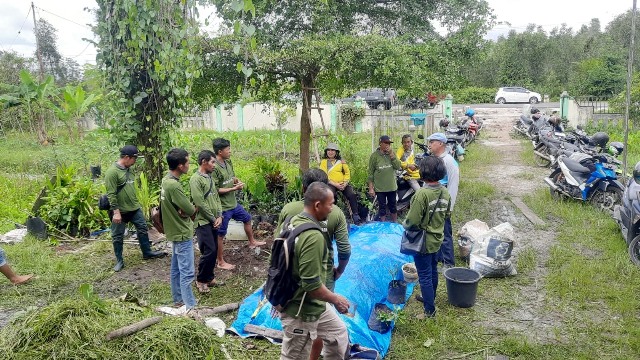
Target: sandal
pixel 216 282
pixel 203 288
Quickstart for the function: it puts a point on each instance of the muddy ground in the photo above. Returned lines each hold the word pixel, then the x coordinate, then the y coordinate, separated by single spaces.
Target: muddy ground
pixel 514 179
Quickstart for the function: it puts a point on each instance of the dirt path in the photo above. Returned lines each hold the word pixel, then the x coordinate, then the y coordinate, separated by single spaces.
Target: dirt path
pixel 513 178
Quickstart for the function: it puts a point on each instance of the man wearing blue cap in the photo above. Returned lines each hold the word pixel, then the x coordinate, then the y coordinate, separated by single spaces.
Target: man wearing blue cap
pixel 438 146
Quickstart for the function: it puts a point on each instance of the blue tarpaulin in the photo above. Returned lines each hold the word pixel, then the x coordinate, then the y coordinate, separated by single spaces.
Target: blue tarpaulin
pixel 375 261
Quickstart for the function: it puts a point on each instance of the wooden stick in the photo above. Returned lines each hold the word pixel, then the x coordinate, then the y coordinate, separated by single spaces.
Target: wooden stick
pixel 218 309
pixel 261 330
pixel 130 329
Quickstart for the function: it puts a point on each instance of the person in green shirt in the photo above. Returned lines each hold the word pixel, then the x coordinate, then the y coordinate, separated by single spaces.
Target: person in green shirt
pixel 205 197
pixel 178 227
pixel 227 183
pixel 335 227
pixel 383 164
pixel 308 315
pixel 429 208
pixel 125 207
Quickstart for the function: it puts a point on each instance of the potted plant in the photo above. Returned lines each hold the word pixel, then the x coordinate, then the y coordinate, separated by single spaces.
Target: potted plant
pixel 409 272
pixel 381 318
pixel 397 290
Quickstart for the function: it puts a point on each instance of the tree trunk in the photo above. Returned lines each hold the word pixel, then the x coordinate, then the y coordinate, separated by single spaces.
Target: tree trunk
pixel 41 131
pixel 305 123
pixel 154 156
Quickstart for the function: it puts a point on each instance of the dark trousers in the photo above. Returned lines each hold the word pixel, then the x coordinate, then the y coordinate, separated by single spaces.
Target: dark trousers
pixel 427 266
pixel 137 219
pixel 445 254
pixel 208 245
pixel 386 199
pixel 350 195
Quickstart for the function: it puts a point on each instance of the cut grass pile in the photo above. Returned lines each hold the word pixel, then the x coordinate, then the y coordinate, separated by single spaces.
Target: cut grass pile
pixel 75 328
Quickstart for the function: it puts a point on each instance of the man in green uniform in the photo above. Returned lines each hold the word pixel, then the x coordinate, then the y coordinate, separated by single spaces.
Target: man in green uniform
pixel 125 207
pixel 335 227
pixel 227 183
pixel 308 315
pixel 383 164
pixel 205 197
pixel 178 227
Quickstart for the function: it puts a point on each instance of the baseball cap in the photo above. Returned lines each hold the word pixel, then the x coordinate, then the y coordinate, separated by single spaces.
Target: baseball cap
pixel 438 137
pixel 130 150
pixel 385 139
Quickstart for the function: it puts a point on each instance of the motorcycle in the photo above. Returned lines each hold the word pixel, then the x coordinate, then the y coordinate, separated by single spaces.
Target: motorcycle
pixel 627 215
pixel 587 178
pixel 415 103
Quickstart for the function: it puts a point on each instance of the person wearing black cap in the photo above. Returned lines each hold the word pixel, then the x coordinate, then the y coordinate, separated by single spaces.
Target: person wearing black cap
pixel 125 206
pixel 383 164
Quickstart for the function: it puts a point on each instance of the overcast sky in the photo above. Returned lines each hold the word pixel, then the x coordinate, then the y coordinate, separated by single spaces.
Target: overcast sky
pixel 70 19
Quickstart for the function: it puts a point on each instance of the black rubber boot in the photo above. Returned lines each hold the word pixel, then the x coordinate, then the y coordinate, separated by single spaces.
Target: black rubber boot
pixel 147 253
pixel 117 249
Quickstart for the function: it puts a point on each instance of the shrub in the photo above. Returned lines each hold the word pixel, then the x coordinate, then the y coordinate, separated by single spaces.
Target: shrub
pixel 71 204
pixel 474 95
pixel 349 115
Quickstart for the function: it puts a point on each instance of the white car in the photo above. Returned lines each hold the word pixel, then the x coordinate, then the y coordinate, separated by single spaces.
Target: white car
pixel 515 94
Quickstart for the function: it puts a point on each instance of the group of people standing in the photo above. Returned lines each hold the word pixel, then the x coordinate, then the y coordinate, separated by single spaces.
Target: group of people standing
pixel 210 207
pixel 309 322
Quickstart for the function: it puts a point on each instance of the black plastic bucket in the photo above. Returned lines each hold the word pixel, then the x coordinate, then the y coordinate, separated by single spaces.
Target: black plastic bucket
pixel 462 286
pixel 397 291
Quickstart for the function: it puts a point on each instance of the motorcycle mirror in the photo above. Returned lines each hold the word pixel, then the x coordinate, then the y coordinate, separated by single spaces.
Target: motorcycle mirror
pixel 420 136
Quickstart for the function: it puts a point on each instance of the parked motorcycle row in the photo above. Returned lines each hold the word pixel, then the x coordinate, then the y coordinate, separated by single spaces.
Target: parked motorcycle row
pixel 462 134
pixel 586 168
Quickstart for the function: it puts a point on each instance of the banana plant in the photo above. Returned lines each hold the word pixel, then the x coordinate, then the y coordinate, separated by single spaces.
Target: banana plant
pixel 72 107
pixel 35 96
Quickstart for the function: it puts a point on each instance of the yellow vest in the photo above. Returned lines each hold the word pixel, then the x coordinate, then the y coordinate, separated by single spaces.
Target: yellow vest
pixel 411 174
pixel 339 172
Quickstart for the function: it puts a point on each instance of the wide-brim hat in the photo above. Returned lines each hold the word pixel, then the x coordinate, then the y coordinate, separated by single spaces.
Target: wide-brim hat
pixel 332 146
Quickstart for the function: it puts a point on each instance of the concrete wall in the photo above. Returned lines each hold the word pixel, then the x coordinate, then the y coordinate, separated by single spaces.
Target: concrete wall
pixel 584 115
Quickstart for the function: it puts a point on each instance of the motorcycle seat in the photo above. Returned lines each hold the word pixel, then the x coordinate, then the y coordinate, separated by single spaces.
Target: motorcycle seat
pixel 575 166
pixel 457 138
pixel 526 120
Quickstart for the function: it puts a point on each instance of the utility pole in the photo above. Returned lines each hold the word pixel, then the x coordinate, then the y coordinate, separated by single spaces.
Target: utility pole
pixel 41 68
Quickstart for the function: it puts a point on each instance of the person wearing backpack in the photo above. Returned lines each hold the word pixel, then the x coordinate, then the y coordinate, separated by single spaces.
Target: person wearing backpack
pixel 178 227
pixel 124 206
pixel 307 315
pixel 204 195
pixel 335 228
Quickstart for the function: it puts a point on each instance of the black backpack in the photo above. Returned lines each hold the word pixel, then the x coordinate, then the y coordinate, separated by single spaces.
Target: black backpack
pixel 281 286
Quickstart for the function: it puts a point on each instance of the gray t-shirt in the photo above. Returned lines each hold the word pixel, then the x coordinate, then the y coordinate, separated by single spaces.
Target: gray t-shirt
pixel 452 179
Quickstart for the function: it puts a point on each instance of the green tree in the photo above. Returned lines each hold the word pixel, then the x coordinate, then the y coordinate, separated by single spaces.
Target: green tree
pixel 147 50
pixel 600 77
pixel 63 70
pixel 301 43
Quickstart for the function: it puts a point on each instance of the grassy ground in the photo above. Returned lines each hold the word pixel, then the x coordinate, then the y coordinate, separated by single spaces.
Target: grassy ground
pixel 589 283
